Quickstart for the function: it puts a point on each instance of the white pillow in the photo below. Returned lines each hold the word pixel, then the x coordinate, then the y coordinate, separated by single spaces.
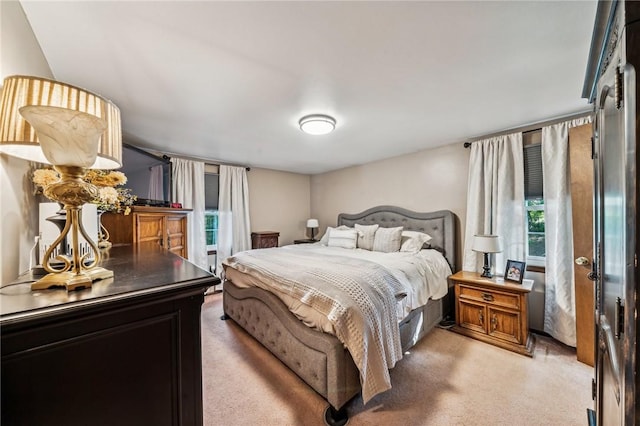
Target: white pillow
pixel 387 240
pixel 325 238
pixel 345 238
pixel 413 241
pixel 366 234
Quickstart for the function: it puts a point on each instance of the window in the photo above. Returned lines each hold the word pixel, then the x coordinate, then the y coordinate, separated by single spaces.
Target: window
pixel 534 200
pixel 535 229
pixel 211 228
pixel 211 210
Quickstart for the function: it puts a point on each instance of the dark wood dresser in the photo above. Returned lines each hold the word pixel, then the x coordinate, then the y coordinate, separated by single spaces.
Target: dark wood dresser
pixel 126 351
pixel 266 239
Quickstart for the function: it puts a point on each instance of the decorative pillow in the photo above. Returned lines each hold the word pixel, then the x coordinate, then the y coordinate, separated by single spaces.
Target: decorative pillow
pixel 345 238
pixel 413 241
pixel 366 234
pixel 387 240
pixel 325 238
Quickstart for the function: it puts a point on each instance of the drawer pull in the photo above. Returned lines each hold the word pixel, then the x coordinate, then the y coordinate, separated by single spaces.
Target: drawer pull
pixel 487 297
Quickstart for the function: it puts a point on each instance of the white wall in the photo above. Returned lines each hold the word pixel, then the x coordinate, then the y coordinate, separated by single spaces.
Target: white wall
pixel 429 180
pixel 279 201
pixel 20 53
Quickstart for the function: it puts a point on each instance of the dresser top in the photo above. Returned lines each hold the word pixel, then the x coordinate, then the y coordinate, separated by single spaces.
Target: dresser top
pixel 138 270
pixel 495 282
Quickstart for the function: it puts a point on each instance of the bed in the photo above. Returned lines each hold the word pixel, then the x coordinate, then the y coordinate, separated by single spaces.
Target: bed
pixel 319 358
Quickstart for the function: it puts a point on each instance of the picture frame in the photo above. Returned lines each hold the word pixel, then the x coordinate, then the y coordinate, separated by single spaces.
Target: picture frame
pixel 514 271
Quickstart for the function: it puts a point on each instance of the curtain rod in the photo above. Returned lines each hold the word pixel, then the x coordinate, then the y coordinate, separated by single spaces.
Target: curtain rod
pixel 529 127
pixel 169 155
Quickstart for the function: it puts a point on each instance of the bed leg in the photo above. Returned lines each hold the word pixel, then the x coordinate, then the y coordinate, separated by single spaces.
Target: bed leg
pixel 333 417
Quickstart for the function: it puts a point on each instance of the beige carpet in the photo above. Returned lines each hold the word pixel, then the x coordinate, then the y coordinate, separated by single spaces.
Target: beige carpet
pixel 446 379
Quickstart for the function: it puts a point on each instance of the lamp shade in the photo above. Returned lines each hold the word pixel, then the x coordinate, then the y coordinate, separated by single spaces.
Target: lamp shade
pixel 487 244
pixel 312 223
pixel 18 137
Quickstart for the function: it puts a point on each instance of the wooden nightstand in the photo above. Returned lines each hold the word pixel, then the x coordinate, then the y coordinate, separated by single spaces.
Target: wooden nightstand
pixel 493 310
pixel 305 241
pixel 265 239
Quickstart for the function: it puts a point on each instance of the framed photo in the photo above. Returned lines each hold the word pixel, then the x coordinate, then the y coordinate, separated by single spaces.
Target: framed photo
pixel 515 271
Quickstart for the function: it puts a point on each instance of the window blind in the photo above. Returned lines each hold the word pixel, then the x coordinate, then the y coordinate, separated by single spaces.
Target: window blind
pixel 211 184
pixel 533 181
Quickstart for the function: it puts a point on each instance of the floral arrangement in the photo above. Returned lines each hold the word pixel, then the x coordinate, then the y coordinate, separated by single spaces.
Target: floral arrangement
pixel 109 198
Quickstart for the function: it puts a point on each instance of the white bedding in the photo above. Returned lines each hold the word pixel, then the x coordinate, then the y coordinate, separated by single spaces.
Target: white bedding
pixel 402 282
pixel 425 274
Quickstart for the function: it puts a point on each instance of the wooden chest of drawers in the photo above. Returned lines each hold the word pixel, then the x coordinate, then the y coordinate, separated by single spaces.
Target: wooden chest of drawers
pixel 164 226
pixel 265 239
pixel 492 311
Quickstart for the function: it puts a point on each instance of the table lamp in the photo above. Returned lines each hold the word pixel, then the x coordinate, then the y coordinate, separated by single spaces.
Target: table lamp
pixel 72 129
pixel 313 224
pixel 486 244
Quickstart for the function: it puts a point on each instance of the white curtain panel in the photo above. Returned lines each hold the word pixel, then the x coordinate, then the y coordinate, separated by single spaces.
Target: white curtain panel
pixel 188 189
pixel 559 309
pixel 156 185
pixel 234 227
pixel 495 200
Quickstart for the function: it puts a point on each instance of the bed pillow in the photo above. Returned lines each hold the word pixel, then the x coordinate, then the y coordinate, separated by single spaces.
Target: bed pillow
pixel 366 234
pixel 325 238
pixel 413 241
pixel 387 240
pixel 345 238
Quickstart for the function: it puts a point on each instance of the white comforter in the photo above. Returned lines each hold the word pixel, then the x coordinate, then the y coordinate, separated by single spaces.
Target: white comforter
pixel 357 295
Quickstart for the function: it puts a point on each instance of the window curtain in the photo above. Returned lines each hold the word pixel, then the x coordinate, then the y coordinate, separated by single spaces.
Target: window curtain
pixel 156 184
pixel 495 200
pixel 559 310
pixel 234 227
pixel 188 189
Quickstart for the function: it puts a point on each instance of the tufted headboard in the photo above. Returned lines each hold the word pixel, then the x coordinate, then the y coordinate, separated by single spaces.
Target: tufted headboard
pixel 440 225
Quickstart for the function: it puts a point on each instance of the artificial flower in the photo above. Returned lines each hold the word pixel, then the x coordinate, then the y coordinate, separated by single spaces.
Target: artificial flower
pixel 109 198
pixel 45 177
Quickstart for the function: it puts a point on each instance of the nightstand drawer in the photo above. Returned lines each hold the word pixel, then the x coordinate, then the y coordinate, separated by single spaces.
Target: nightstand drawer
pixel 507 300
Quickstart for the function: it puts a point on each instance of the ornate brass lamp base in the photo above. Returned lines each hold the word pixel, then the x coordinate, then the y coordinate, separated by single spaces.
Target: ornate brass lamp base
pixel 69 140
pixel 70 280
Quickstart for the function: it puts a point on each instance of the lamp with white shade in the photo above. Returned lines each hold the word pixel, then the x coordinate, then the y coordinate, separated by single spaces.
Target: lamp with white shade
pixel 486 244
pixel 313 224
pixel 72 129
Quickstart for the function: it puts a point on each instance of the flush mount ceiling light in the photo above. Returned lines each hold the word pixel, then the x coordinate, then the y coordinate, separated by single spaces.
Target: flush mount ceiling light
pixel 317 124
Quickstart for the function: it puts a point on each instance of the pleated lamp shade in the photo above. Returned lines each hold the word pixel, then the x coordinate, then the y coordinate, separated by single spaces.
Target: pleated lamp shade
pixel 18 138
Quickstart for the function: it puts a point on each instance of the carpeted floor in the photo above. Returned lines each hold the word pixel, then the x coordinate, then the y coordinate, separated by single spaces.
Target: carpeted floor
pixel 446 379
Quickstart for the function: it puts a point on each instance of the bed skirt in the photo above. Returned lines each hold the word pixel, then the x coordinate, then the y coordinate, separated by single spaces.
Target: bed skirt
pixel 318 358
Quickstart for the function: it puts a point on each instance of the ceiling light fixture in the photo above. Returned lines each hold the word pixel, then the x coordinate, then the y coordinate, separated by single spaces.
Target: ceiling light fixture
pixel 317 124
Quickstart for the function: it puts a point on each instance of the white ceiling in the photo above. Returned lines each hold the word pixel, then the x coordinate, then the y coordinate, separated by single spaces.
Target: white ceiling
pixel 228 81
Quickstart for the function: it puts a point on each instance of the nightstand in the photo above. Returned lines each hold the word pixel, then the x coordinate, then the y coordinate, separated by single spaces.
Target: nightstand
pixel 305 241
pixel 265 239
pixel 493 310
